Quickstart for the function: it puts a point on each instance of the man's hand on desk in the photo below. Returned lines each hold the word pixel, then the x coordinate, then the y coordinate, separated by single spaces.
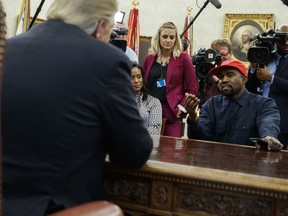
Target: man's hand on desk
pixel 192 107
pixel 273 144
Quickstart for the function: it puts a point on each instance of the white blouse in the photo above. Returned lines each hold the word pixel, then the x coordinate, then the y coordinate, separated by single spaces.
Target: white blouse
pixel 151 112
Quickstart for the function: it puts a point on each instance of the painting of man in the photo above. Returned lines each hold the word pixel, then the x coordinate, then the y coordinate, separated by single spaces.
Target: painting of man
pixel 240 52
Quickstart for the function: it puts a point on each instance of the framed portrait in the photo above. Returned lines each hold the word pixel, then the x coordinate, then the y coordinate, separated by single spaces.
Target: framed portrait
pixel 239 28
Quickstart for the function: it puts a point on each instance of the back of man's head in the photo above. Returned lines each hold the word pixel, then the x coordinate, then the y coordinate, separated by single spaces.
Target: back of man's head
pixel 83 13
pixel 282 28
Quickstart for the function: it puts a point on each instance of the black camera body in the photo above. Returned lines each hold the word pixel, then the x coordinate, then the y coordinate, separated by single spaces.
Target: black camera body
pixel 204 60
pixel 264 44
pixel 116 40
pixel 120 31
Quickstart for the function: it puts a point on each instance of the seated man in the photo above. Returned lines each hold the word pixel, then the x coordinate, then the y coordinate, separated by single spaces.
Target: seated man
pixel 236 115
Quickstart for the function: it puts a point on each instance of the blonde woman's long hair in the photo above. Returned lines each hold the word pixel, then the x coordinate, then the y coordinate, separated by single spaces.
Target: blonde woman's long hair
pixel 83 13
pixel 155 43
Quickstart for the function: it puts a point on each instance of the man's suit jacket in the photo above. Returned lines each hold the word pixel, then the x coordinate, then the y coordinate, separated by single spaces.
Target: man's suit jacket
pixel 180 78
pixel 67 100
pixel 279 91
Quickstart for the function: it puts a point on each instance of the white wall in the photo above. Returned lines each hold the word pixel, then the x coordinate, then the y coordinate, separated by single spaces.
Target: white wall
pixel 208 26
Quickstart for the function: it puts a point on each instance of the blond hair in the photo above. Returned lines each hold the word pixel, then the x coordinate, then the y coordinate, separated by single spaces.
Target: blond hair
pixel 155 43
pixel 83 13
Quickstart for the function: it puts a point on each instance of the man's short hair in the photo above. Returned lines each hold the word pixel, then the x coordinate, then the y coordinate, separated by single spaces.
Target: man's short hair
pixel 222 42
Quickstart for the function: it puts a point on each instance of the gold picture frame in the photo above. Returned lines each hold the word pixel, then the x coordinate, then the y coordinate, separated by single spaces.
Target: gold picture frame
pixel 236 24
pixel 37 21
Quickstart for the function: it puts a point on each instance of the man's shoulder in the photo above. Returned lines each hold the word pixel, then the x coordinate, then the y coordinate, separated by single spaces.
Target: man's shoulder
pixel 213 101
pixel 260 100
pixel 216 98
pixel 131 54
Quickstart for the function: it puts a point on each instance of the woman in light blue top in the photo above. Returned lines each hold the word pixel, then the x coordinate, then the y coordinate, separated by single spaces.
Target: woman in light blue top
pixel 149 107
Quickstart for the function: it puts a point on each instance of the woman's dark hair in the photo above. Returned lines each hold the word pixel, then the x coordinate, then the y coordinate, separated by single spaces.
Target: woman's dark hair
pixel 144 88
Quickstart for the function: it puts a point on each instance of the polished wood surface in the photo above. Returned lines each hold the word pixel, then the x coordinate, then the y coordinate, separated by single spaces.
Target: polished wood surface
pixel 222 156
pixel 194 177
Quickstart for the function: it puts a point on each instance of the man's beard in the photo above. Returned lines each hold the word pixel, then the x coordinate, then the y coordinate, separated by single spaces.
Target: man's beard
pixel 227 90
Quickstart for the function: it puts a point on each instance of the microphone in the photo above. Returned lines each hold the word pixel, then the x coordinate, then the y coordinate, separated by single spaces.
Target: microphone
pixel 216 3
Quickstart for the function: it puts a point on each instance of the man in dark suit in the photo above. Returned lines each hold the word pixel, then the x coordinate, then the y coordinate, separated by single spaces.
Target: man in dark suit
pixel 274 78
pixel 67 101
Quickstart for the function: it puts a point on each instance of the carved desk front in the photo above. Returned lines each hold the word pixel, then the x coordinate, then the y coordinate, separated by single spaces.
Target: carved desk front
pixel 192 177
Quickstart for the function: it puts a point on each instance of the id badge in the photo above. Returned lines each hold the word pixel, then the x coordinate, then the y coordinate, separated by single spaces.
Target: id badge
pixel 161 83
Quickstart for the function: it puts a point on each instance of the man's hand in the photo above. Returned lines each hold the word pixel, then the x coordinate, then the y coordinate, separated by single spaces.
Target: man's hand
pixel 181 112
pixel 253 66
pixel 215 78
pixel 192 106
pixel 178 114
pixel 273 144
pixel 263 74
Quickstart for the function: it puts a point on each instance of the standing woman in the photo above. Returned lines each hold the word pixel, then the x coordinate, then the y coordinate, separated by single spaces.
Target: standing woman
pixel 149 107
pixel 169 74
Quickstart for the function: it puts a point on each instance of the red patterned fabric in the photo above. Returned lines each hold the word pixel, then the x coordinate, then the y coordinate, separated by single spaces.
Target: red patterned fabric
pixel 188 34
pixel 133 36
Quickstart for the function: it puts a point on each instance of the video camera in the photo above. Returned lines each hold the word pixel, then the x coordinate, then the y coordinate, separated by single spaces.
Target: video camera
pixel 204 60
pixel 116 41
pixel 264 44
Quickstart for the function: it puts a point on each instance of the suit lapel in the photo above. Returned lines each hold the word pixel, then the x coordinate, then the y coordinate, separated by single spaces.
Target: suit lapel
pixel 149 66
pixel 170 69
pixel 282 66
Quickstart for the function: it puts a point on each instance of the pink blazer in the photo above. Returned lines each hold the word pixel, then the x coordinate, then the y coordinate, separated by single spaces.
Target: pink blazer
pixel 180 78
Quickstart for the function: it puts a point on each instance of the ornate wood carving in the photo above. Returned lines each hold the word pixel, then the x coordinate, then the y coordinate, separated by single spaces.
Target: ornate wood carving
pixel 220 204
pixel 128 190
pixel 282 208
pixel 192 177
pixel 161 197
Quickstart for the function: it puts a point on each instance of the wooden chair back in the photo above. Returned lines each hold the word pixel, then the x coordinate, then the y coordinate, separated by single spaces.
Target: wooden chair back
pixel 96 208
pixel 163 125
pixel 2 50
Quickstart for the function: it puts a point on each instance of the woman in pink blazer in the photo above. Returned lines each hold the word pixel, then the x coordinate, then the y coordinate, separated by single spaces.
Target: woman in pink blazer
pixel 169 74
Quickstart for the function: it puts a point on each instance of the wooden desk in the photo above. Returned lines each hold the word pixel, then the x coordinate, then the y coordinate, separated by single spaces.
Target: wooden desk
pixel 193 177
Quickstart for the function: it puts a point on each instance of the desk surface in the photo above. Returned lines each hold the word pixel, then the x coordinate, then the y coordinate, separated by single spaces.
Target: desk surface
pixel 219 161
pixel 194 177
